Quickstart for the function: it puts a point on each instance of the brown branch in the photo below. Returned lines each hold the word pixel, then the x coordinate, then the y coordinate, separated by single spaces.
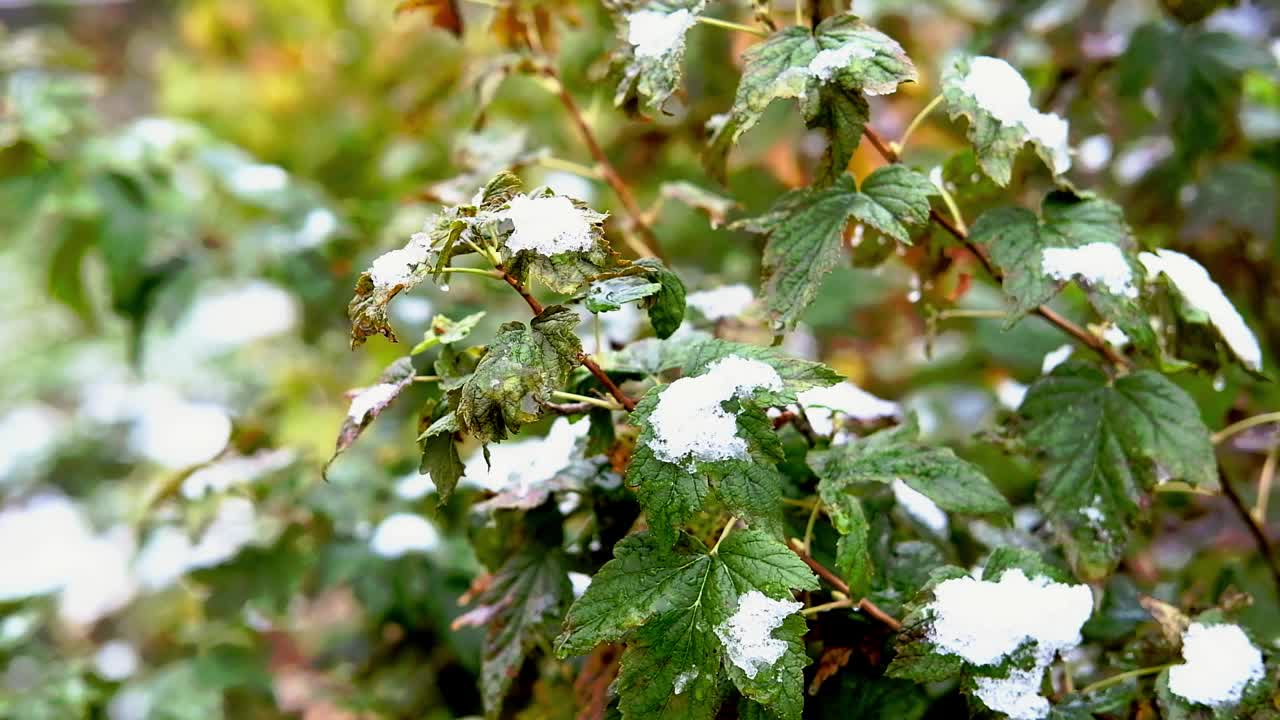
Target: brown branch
pixel 1256 530
pixel 650 247
pixel 1094 342
pixel 834 581
pixel 623 399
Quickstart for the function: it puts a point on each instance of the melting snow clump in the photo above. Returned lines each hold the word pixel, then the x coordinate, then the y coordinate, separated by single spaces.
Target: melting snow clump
pixel 1054 358
pixel 747 635
pixel 722 302
pixel 822 404
pixel 402 533
pixel 683 680
pixel 998 88
pixel 985 622
pixel 1100 264
pixel 655 34
pixel 828 62
pixel 371 398
pixel 1201 292
pixel 548 225
pixel 1220 664
pixel 920 507
pixel 690 423
pixel 396 267
pixel 1017 695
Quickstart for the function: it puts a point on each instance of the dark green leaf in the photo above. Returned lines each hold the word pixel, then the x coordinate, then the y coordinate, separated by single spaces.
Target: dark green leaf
pixel 518 373
pixel 1107 442
pixel 667 306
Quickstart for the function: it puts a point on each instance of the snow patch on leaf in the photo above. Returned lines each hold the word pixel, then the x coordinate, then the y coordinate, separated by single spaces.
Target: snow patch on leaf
pixel 984 622
pixel 1055 357
pixel 396 267
pixel 827 62
pixel 683 680
pixel 524 466
pixel 549 225
pixel 1099 264
pixel 1000 90
pixel 1195 286
pixel 1220 665
pixel 370 398
pixel 747 635
pixel 655 34
pixel 690 421
pixel 1017 695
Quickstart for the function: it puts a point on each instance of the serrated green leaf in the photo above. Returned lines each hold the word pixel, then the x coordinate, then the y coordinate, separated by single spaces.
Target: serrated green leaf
pixel 842 52
pixel 753 492
pixel 445 331
pixel 806 227
pixel 1106 443
pixel 896 454
pixel 519 371
pixel 1017 240
pixel 853 549
pixel 842 114
pixel 441 461
pixel 779 687
pixel 669 493
pixel 667 306
pixel 520 610
pixel 997 134
pixel 665 603
pixel 613 293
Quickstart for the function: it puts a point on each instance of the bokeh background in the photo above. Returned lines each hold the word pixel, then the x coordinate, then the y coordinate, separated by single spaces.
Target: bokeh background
pixel 189 189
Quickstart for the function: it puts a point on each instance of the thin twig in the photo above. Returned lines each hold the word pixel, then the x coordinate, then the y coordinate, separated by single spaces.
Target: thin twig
pixel 728 25
pixel 585 400
pixel 834 581
pixel 833 605
pixel 1266 479
pixel 916 121
pixel 1092 341
pixel 1121 677
pixel 1236 428
pixel 578 408
pixel 623 399
pixel 608 173
pixel 728 528
pixel 1259 535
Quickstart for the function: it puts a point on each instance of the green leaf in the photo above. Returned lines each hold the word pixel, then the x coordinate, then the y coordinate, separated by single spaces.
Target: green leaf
pixel 518 373
pixel 666 307
pixel 1195 71
pixel 1017 240
pixel 806 230
pixel 896 454
pixel 666 602
pixel 613 293
pixel 441 461
pixel 1106 442
pixel 669 493
pixel 843 115
pixel 649 76
pixel 368 403
pixel 997 134
pixel 520 610
pixel 445 331
pixel 853 549
pixel 843 52
pixel 753 492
